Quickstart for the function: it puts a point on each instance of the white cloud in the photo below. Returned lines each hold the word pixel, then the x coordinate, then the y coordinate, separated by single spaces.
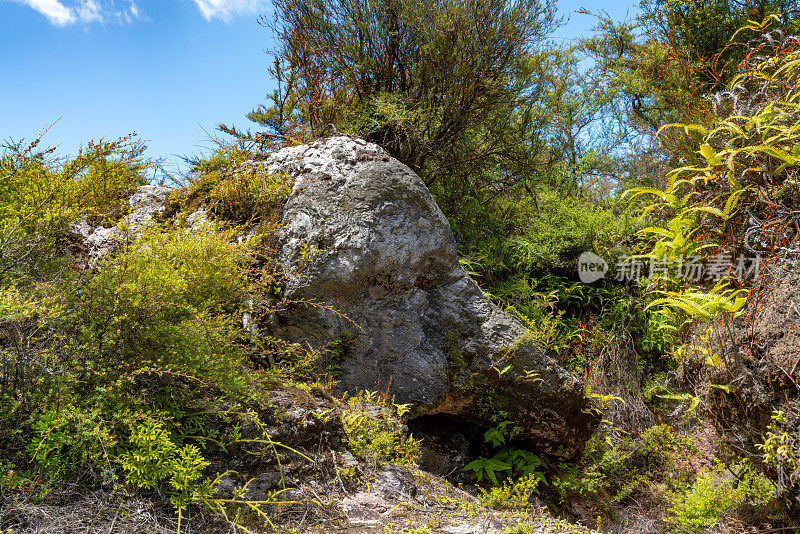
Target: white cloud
pixel 90 11
pixel 54 10
pixel 67 12
pixel 225 9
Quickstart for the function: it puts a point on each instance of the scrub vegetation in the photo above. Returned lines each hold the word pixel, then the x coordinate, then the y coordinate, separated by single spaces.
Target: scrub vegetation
pixel 663 141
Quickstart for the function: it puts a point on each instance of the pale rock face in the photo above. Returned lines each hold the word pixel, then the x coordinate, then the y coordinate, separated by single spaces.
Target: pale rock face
pixel 144 203
pixel 197 219
pixel 393 485
pixel 363 239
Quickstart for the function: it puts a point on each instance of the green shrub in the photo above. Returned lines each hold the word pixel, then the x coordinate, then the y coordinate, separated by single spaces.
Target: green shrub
pixel 715 493
pixel 41 196
pixel 153 457
pixel 374 430
pixel 233 190
pixel 706 502
pixel 68 439
pixel 512 494
pixel 553 230
pixel 121 372
pixel 611 471
pixel 779 448
pixel 168 305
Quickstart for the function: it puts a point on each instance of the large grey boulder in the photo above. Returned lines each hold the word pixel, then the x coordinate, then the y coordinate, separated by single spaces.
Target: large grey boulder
pixel 363 240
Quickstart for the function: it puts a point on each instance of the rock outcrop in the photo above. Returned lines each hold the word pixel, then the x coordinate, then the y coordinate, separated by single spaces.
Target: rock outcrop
pixel 145 203
pixel 364 244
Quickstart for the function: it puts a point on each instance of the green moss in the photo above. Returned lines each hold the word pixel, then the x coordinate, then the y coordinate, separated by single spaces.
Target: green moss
pixel 456 363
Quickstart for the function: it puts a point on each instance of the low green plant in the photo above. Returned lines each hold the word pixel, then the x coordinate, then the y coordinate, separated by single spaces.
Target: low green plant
pixel 487 467
pixel 503 431
pixel 13 479
pixel 233 190
pixel 66 440
pixel 511 494
pixel 134 368
pixel 612 470
pixel 512 463
pixel 152 457
pixel 714 494
pixel 778 447
pixel 781 451
pixel 549 330
pixel 373 426
pixel 703 505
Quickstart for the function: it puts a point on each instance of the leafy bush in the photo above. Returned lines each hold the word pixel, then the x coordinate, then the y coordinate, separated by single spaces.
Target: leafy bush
pixel 713 495
pixel 70 439
pixel 513 463
pixel 611 471
pixel 234 190
pixel 740 174
pixel 123 371
pixel 153 457
pixel 553 230
pixel 703 505
pixel 734 195
pixel 374 430
pixel 509 478
pixel 41 196
pixel 512 494
pixel 781 451
pixel 425 85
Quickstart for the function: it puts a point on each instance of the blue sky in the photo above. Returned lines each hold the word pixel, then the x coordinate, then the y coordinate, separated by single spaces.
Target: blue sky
pixel 169 70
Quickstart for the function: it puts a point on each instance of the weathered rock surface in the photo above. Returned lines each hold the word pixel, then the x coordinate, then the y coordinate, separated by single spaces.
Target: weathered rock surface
pixel 145 203
pixel 393 485
pixel 364 240
pixel 394 482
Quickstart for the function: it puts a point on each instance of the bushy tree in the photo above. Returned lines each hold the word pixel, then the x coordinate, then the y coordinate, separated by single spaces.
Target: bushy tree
pixel 674 54
pixel 449 88
pixel 703 29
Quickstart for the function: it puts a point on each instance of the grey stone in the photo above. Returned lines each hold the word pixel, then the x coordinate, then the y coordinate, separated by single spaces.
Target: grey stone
pixel 197 219
pixel 347 459
pixel 490 527
pixel 366 509
pixel 394 483
pixel 83 229
pixel 102 241
pixel 263 486
pixel 144 204
pixel 225 486
pixel 363 240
